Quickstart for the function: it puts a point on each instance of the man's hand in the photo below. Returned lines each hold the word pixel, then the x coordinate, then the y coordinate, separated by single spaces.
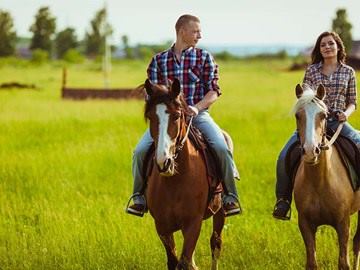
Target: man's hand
pixel 193 110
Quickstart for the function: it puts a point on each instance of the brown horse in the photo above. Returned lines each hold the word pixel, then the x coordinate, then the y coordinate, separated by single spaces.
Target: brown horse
pixel 322 188
pixel 177 188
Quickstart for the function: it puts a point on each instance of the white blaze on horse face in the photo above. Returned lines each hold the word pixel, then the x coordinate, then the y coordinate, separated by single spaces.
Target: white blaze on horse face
pixel 310 143
pixel 164 140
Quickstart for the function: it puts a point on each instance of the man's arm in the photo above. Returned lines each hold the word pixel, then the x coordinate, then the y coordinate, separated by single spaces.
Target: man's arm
pixel 205 103
pixel 211 77
pixel 208 99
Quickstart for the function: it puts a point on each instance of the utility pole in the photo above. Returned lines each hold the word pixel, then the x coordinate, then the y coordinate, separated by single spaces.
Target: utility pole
pixel 107 52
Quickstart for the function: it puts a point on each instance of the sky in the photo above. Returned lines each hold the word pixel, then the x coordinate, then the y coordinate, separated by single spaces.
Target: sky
pixel 223 22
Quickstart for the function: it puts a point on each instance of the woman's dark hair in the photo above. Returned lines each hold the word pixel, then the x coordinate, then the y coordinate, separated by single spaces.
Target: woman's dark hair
pixel 316 56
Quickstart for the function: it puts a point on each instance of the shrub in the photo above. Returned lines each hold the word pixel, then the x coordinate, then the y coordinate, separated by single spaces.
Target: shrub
pixel 39 56
pixel 73 56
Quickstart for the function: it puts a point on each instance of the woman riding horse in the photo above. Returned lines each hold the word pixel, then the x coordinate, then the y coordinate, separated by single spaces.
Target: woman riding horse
pixel 328 68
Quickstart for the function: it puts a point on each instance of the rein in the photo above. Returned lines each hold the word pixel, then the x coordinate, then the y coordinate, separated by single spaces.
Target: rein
pixel 180 146
pixel 333 138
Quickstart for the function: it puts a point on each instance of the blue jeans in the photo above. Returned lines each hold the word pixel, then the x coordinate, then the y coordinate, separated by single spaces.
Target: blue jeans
pixel 283 181
pixel 213 135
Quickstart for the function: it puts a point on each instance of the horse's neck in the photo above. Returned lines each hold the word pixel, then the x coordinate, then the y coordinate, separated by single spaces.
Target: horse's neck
pixel 188 148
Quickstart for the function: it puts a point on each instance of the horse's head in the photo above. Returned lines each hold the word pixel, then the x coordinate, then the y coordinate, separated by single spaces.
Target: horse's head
pixel 165 110
pixel 311 112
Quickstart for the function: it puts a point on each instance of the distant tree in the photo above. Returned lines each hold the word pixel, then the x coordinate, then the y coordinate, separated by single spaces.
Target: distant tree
pixel 145 52
pixel 129 52
pixel 342 26
pixel 64 41
pixel 7 34
pixel 95 39
pixel 43 30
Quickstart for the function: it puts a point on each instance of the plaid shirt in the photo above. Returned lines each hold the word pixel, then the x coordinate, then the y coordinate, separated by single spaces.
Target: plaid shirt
pixel 197 72
pixel 340 86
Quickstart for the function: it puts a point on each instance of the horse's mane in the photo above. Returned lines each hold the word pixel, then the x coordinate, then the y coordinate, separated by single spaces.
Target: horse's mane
pixel 307 97
pixel 161 94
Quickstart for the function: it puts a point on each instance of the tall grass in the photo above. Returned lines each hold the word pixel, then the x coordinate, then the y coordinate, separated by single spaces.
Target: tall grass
pixel 65 172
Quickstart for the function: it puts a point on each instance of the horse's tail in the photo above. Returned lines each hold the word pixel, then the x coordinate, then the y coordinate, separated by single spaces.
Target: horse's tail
pixel 139 91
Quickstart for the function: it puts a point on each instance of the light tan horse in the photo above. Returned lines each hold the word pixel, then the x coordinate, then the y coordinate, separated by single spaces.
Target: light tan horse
pixel 177 191
pixel 322 189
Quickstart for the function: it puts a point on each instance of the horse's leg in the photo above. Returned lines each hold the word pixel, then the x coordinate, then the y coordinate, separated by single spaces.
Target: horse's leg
pixel 215 241
pixel 356 244
pixel 308 233
pixel 191 232
pixel 343 235
pixel 169 244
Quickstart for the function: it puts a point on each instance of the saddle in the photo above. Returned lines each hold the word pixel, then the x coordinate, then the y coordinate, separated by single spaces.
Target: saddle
pixel 211 162
pixel 349 153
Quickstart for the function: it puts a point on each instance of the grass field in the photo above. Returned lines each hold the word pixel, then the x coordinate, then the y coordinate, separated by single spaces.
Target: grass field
pixel 65 172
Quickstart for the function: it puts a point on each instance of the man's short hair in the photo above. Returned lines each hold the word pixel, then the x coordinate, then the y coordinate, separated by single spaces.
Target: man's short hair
pixel 183 20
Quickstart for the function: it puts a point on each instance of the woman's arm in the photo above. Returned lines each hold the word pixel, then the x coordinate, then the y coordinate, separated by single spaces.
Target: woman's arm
pixel 351 96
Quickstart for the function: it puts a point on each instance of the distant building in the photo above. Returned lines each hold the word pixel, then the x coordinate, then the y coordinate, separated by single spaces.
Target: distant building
pixel 119 53
pixel 352 59
pixel 23 52
pixel 355 49
pixel 22 48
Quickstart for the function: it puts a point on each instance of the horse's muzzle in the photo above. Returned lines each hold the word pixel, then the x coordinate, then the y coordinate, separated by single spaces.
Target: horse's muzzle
pixel 311 156
pixel 168 168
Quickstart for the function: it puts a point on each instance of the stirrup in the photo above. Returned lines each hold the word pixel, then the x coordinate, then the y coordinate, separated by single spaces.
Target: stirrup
pixel 287 215
pixel 133 213
pixel 238 202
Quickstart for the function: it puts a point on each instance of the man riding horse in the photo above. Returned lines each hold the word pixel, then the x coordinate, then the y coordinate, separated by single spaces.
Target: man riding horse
pixel 198 74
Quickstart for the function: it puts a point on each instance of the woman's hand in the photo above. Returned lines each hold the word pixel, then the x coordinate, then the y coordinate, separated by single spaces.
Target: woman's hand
pixel 342 117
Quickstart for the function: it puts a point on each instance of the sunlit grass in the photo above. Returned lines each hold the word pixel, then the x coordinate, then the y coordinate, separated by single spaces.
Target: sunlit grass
pixel 65 172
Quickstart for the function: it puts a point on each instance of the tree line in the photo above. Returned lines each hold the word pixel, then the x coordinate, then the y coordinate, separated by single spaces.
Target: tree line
pixel 46 41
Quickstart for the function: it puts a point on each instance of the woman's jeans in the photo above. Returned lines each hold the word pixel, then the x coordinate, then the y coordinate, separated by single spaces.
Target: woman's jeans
pixel 214 137
pixel 283 180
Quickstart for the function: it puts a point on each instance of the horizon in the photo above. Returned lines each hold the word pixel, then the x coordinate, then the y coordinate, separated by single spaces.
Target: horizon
pixel 233 23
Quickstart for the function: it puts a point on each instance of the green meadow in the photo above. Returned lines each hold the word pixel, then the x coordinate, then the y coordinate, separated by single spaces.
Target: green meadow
pixel 65 172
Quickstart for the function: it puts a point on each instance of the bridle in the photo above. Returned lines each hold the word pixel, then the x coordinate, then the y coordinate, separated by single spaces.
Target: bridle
pixel 180 141
pixel 325 145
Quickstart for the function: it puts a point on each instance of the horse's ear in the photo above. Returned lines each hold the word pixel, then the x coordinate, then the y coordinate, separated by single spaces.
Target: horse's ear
pixel 299 91
pixel 148 87
pixel 175 88
pixel 320 92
